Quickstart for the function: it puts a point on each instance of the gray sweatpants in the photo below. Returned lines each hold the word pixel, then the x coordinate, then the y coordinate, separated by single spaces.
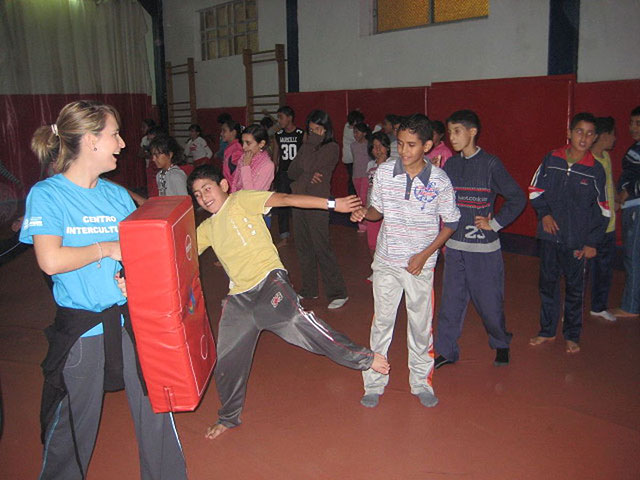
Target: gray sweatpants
pixel 158 444
pixel 271 305
pixel 389 284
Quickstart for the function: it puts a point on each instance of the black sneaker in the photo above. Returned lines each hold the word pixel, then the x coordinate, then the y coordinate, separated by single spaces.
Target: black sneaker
pixel 441 361
pixel 502 357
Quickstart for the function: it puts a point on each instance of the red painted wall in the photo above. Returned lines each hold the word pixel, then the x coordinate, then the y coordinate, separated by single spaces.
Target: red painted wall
pixel 376 103
pixel 521 120
pixel 23 114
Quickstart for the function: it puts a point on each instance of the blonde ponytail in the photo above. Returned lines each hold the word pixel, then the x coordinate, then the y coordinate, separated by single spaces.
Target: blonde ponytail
pixel 59 144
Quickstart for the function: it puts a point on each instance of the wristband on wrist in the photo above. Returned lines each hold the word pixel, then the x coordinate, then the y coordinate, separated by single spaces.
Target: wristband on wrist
pixel 331 204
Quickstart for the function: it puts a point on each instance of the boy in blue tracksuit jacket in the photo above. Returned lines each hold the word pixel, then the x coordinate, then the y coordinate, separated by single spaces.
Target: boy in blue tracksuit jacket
pixel 568 192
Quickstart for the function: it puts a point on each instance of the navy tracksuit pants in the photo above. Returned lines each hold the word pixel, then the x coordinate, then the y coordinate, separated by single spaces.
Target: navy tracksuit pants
pixel 601 272
pixel 557 260
pixel 475 276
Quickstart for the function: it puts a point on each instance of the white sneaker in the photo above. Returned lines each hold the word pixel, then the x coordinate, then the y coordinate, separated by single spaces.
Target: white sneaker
pixel 337 303
pixel 604 314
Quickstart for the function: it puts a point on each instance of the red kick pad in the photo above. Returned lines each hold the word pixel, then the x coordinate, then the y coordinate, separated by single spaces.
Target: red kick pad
pixel 173 335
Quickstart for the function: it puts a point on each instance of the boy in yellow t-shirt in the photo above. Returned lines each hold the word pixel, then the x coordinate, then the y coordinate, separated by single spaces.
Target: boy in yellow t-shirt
pixel 261 296
pixel 602 264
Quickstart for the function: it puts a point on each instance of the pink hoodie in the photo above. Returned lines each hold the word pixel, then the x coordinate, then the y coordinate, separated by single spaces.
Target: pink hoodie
pixel 442 150
pixel 233 153
pixel 256 176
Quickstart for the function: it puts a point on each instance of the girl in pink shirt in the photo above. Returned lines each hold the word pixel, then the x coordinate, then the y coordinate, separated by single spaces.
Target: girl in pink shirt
pixel 360 154
pixel 230 133
pixel 440 153
pixel 379 150
pixel 255 170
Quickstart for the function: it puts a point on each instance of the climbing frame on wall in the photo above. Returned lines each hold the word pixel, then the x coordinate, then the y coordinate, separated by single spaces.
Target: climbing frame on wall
pixel 183 113
pixel 264 104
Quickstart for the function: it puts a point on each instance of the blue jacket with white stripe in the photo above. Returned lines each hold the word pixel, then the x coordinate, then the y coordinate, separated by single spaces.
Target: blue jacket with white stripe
pixel 574 195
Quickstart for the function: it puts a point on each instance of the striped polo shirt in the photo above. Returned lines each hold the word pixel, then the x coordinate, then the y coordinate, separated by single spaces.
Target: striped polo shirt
pixel 412 210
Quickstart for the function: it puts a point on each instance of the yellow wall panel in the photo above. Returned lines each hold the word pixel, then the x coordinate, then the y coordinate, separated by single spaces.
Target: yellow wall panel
pixel 451 10
pixel 399 14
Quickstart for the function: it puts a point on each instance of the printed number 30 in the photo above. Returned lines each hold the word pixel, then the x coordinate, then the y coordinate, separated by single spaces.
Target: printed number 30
pixel 289 151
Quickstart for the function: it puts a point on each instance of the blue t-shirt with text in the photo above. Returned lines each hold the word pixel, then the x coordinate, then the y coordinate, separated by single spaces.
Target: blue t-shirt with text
pixel 80 216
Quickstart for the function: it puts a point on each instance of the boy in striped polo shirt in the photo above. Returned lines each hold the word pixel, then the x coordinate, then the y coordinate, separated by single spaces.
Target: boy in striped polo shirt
pixel 410 196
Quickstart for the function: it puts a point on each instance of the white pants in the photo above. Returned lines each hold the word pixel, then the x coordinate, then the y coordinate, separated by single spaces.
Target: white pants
pixel 389 283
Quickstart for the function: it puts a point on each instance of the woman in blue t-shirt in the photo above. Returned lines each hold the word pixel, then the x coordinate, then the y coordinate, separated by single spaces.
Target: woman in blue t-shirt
pixel 72 220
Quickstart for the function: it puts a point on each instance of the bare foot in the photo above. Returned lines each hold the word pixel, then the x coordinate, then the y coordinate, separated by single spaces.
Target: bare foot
pixel 215 431
pixel 618 312
pixel 380 364
pixel 535 341
pixel 282 243
pixel 571 347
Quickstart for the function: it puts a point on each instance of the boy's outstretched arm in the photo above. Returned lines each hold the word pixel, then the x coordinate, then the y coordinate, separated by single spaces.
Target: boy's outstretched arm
pixel 343 204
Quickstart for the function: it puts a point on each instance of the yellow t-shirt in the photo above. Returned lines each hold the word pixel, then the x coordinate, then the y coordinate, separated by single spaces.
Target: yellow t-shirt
pixel 241 239
pixel 605 161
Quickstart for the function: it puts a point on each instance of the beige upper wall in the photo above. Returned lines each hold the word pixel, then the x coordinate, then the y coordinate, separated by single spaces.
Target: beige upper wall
pixel 609 47
pixel 336 50
pixel 221 82
pixel 511 42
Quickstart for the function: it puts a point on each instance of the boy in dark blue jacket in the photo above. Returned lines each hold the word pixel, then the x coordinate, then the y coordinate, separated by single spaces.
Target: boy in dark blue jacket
pixel 568 192
pixel 629 187
pixel 474 268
